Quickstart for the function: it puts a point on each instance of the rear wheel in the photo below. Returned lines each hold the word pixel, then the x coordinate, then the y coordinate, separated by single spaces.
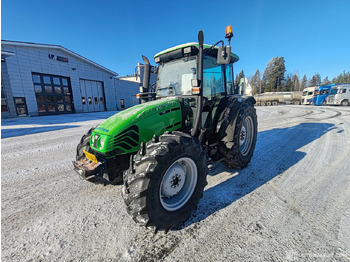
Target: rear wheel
pixel 238 148
pixel 166 180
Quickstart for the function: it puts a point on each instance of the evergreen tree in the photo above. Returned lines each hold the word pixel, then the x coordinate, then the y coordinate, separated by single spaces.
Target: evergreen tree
pixel 326 81
pixel 274 74
pixel 315 80
pixel 255 82
pixel 296 83
pixel 288 84
pixel 303 83
pixel 343 78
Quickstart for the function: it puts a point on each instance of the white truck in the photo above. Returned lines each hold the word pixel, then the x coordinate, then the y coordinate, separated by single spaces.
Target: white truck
pixel 340 95
pixel 308 93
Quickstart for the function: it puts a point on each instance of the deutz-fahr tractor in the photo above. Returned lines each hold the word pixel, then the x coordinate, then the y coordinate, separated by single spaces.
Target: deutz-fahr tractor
pixel 162 147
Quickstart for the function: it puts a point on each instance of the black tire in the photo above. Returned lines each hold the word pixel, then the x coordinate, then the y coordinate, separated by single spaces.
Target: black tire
pixel 144 181
pixel 345 103
pixel 238 148
pixel 268 103
pixel 84 145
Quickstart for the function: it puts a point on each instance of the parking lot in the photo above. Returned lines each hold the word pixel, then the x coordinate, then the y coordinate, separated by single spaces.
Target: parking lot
pixel 292 202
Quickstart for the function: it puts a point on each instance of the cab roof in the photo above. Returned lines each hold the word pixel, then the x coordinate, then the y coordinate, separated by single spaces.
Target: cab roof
pixel 195 45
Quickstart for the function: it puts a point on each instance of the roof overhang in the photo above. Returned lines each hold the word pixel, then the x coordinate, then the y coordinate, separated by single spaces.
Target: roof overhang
pixel 5 54
pixel 58 47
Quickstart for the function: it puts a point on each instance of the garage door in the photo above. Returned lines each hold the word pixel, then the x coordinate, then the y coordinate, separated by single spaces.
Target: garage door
pixel 92 95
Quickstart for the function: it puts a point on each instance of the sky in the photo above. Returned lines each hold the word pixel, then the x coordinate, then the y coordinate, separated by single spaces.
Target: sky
pixel 312 35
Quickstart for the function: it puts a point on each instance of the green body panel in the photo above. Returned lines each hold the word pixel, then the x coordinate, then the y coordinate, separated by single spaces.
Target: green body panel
pixel 123 132
pixel 187 45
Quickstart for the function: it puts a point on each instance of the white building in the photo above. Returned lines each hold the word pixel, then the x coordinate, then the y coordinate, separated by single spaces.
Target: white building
pixel 244 87
pixel 43 79
pixel 128 86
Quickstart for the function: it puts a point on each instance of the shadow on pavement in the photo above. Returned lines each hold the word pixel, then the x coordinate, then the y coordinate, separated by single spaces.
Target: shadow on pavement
pixel 276 151
pixel 56 119
pixel 13 132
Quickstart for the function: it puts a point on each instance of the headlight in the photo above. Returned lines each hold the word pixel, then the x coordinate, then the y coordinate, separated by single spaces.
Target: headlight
pixel 102 143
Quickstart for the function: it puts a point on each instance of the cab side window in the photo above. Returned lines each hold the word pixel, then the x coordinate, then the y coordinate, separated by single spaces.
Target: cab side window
pixel 213 78
pixel 229 79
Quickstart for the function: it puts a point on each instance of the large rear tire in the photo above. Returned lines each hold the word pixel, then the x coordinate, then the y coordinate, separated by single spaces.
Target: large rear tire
pixel 165 181
pixel 238 148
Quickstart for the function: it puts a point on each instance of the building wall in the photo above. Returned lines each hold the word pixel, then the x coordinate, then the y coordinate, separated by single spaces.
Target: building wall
pixel 127 88
pixel 127 91
pixel 36 59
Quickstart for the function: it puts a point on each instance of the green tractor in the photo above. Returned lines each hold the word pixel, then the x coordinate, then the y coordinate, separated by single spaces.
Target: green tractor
pixel 161 148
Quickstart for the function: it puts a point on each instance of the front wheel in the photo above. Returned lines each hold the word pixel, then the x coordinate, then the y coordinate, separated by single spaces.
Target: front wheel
pixel 166 180
pixel 345 103
pixel 239 144
pixel 84 145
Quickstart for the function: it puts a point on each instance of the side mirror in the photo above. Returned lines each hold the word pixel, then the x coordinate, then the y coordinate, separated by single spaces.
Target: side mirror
pixel 224 55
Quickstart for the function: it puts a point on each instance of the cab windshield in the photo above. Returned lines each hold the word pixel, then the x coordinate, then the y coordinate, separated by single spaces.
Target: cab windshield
pixel 334 91
pixel 174 77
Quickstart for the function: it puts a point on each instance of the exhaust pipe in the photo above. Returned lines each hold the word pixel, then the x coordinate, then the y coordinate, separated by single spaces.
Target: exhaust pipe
pixel 146 80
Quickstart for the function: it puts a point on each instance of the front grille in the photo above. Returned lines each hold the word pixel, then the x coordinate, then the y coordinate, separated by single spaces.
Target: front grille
pixel 127 139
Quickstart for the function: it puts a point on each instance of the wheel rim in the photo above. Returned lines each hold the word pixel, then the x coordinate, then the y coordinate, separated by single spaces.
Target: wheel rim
pixel 246 136
pixel 178 184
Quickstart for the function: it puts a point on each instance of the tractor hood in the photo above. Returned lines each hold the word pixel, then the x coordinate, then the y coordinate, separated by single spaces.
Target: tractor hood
pixel 123 132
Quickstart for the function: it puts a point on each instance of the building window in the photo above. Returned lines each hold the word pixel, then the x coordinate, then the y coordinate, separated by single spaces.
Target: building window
pixel 53 94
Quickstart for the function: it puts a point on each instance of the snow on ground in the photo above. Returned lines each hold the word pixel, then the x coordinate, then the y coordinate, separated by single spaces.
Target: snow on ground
pixel 292 203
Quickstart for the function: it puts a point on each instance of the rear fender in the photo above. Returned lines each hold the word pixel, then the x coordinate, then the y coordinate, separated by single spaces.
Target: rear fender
pixel 226 115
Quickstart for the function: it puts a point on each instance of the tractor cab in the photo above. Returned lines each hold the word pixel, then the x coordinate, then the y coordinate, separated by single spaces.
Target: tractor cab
pixel 200 79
